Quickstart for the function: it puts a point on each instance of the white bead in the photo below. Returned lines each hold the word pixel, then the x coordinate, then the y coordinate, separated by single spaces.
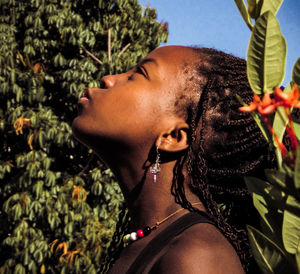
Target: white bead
pixel 133 236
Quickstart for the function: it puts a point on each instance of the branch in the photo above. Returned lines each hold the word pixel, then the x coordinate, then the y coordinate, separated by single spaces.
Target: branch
pixel 82 172
pixel 125 48
pixel 109 44
pixel 93 56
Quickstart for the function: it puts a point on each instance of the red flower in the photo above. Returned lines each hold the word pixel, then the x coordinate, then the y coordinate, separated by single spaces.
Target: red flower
pixel 288 100
pixel 264 106
pixel 252 106
pixel 267 105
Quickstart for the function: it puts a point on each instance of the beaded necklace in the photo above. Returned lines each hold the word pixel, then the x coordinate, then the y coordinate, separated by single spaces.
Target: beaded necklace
pixel 141 233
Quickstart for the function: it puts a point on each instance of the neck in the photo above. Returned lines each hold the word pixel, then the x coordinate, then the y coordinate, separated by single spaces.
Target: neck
pixel 148 202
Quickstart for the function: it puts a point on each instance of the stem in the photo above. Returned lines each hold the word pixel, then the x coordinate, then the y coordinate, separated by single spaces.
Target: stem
pixel 109 45
pixel 280 145
pixel 125 48
pixel 291 133
pixel 93 56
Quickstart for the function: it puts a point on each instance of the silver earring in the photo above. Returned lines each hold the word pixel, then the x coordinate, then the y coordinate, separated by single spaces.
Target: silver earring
pixel 155 168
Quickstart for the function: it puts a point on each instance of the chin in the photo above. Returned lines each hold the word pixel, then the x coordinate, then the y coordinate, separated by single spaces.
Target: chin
pixel 84 134
pixel 79 131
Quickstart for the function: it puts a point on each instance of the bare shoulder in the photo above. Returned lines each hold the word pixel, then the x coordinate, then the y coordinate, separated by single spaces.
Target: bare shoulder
pixel 200 249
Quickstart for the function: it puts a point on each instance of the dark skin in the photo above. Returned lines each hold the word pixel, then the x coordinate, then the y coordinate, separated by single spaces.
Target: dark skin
pixel 122 122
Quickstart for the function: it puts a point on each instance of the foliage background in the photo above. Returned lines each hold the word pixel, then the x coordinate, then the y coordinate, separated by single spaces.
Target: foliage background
pixel 52 189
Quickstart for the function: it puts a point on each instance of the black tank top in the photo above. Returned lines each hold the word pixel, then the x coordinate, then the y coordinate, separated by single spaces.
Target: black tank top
pixel 164 237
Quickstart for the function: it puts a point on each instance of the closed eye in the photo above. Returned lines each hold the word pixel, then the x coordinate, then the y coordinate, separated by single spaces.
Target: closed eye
pixel 140 70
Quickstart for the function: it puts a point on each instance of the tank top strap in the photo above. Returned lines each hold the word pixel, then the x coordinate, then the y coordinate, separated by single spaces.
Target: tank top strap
pixel 164 237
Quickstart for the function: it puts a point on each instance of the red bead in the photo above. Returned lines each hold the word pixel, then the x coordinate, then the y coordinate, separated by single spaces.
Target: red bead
pixel 140 233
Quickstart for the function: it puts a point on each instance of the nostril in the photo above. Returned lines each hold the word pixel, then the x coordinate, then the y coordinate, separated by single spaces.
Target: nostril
pixel 107 81
pixel 102 84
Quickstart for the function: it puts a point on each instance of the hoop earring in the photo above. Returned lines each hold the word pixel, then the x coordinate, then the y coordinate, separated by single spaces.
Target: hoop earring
pixel 155 168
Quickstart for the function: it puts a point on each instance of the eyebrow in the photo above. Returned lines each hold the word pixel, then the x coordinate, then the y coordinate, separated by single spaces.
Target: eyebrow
pixel 145 61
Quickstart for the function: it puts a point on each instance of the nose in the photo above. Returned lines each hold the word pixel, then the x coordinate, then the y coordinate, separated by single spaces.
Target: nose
pixel 108 81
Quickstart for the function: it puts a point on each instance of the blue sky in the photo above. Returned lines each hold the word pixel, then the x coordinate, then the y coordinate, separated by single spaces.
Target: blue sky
pixel 218 24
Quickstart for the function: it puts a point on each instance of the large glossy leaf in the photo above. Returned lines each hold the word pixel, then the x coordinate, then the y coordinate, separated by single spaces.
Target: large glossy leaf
pixel 254 7
pixel 269 214
pixel 273 196
pixel 298 258
pixel 296 72
pixel 297 170
pixel 291 227
pixel 281 119
pixel 266 54
pixel 279 126
pixel 271 5
pixel 277 178
pixel 243 11
pixel 297 130
pixel 269 257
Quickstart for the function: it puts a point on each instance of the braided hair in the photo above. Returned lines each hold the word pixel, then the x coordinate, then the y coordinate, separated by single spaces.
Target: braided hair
pixel 224 145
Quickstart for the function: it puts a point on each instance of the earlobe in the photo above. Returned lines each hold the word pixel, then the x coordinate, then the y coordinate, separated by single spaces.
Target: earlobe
pixel 175 139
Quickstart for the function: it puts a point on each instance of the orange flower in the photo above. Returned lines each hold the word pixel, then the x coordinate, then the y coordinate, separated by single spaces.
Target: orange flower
pixel 267 105
pixel 20 123
pixel 69 256
pixel 252 106
pixel 79 193
pixel 264 106
pixel 288 100
pixel 62 247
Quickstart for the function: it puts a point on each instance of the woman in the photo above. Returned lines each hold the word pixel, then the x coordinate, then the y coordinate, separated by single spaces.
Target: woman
pixel 171 132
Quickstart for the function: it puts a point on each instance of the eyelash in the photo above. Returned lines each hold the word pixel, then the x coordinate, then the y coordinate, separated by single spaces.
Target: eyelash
pixel 137 70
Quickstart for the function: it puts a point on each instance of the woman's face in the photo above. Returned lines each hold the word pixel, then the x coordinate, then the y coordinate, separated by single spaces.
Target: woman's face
pixel 132 108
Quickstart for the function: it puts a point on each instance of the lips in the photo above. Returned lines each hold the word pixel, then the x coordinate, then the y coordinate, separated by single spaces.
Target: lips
pixel 85 94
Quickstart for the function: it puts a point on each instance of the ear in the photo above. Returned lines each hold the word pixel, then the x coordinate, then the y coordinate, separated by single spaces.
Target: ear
pixel 175 139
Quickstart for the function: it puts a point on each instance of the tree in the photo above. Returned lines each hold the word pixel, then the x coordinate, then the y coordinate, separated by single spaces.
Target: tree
pixel 56 199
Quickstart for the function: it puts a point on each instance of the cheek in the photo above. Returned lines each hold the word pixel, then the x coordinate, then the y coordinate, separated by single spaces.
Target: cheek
pixel 136 116
pixel 127 117
pixel 123 116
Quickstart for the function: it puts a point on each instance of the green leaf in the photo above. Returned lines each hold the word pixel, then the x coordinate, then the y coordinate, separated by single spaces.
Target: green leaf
pixel 290 227
pixel 266 54
pixel 254 7
pixel 297 130
pixel 96 188
pixel 269 257
pixel 243 11
pixel 298 258
pixel 297 170
pixel 19 269
pixel 281 119
pixel 276 177
pixel 269 214
pixel 263 188
pixel 279 126
pixel 296 72
pixel 271 5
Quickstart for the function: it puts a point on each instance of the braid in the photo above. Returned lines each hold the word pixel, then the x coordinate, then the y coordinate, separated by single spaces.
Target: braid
pixel 225 144
pixel 116 245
